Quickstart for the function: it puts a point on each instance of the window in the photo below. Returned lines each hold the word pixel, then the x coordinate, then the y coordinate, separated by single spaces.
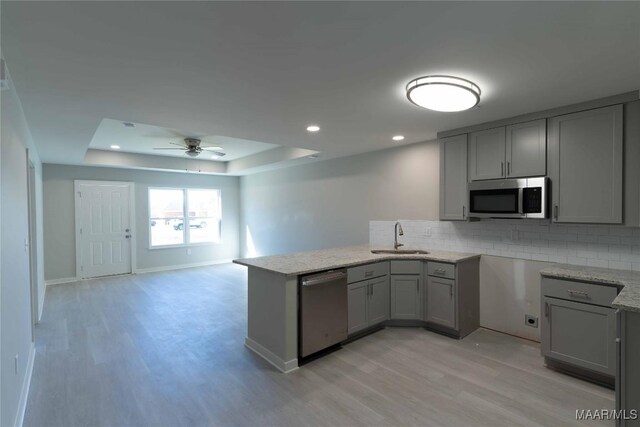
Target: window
pixel 184 216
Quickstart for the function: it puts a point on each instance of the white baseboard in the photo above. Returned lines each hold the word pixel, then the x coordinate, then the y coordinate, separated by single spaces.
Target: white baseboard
pixel 24 395
pixel 279 363
pixel 181 266
pixel 60 281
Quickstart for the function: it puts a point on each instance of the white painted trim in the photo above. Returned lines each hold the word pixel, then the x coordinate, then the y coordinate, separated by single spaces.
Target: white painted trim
pixel 277 362
pixel 132 220
pixel 24 395
pixel 60 281
pixel 182 266
pixel 41 302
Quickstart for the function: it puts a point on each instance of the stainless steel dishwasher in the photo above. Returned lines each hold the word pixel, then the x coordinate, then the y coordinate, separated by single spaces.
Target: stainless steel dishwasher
pixel 323 311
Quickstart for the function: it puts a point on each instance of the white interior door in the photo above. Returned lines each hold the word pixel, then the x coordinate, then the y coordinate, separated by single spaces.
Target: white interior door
pixel 103 228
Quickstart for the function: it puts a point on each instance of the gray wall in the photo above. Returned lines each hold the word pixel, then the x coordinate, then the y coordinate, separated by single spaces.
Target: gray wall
pixel 329 203
pixel 59 228
pixel 15 294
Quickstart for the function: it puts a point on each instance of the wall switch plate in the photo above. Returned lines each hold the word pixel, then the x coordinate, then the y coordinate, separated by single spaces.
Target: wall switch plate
pixel 427 232
pixel 530 320
pixel 189 251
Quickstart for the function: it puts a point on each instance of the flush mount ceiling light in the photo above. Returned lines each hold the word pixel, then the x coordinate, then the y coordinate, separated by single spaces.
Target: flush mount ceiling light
pixel 398 138
pixel 443 93
pixel 115 147
pixel 313 128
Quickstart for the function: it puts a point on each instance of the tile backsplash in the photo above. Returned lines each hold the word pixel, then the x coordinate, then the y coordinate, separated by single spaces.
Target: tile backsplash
pixel 593 245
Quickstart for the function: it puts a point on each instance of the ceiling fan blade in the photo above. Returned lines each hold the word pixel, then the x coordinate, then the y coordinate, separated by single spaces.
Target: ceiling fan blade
pixel 157 148
pixel 212 147
pixel 179 145
pixel 218 153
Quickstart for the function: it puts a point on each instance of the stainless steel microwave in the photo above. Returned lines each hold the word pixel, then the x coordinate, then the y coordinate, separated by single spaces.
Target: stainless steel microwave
pixel 509 198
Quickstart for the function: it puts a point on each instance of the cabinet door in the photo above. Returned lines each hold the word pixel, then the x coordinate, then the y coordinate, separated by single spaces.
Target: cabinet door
pixel 585 166
pixel 487 154
pixel 580 334
pixel 405 297
pixel 441 301
pixel 358 295
pixel 453 177
pixel 378 300
pixel 526 149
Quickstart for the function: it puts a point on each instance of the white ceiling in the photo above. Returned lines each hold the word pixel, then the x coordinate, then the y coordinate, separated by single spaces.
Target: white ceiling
pixel 262 71
pixel 144 139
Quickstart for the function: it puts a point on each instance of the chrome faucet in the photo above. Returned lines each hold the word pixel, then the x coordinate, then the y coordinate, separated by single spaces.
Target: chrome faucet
pixel 397 233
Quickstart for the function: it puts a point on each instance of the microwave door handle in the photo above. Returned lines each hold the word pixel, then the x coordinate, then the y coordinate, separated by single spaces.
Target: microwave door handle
pixel 520 195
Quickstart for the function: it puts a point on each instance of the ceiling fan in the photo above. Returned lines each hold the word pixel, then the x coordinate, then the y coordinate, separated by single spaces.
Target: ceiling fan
pixel 192 148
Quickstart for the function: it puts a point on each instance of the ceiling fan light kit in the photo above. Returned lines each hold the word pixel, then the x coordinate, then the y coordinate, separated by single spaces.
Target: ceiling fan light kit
pixel 443 93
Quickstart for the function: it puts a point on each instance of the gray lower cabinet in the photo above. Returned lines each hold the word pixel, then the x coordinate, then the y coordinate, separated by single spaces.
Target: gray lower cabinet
pixel 368 303
pixel 579 334
pixel 585 166
pixel 579 327
pixel 441 301
pixel 628 378
pixel 453 178
pixel 406 296
pixel 452 298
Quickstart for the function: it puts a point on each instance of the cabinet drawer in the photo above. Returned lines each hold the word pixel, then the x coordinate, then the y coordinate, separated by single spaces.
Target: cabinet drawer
pixel 406 267
pixel 441 269
pixel 368 271
pixel 588 293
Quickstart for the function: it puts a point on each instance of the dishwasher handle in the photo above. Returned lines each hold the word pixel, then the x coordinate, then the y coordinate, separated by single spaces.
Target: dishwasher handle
pixel 324 278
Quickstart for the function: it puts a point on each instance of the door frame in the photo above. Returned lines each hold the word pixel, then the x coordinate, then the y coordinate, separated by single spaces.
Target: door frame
pixel 132 223
pixel 33 244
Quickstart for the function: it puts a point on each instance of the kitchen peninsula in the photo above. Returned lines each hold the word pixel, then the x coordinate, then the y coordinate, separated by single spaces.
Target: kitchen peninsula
pixel 273 292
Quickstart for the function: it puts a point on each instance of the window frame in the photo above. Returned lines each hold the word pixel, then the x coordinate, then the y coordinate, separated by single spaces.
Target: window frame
pixel 185 218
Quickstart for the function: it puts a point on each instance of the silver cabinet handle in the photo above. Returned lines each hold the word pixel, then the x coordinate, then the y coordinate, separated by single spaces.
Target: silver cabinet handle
pixel 508 168
pixel 368 273
pixel 546 309
pixel 501 168
pixel 573 292
pixel 451 290
pixel 555 212
pixel 371 289
pixel 464 211
pixel 128 236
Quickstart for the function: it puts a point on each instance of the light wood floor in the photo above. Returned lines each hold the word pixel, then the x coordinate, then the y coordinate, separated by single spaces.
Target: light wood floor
pixel 167 349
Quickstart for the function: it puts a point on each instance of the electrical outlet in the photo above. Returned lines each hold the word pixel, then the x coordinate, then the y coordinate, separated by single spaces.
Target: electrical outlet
pixel 530 320
pixel 427 232
pixel 16 364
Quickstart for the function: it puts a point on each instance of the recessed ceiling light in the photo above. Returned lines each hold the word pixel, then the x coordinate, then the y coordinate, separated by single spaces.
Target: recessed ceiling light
pixel 313 128
pixel 115 147
pixel 443 93
pixel 128 124
pixel 398 138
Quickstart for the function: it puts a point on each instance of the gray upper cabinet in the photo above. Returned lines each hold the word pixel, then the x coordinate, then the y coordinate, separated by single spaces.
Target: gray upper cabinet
pixel 585 166
pixel 487 154
pixel 406 296
pixel 453 178
pixel 526 149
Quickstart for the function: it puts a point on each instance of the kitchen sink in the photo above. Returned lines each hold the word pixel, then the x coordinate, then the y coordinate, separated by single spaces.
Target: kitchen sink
pixel 399 251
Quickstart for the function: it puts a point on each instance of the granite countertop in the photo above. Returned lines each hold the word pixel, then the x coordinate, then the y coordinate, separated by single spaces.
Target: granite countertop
pixel 314 261
pixel 629 281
